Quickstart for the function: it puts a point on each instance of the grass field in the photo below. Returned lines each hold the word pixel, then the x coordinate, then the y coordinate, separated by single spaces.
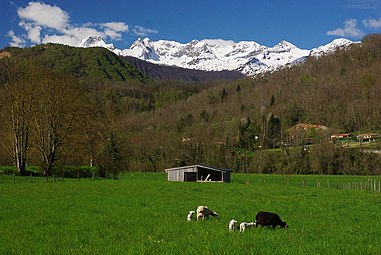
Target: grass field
pixel 145 214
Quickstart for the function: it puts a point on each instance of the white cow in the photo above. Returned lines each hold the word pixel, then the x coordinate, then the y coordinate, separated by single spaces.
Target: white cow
pixel 204 212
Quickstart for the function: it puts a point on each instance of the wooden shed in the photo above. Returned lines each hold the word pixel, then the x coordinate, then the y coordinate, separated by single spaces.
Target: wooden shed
pixel 199 173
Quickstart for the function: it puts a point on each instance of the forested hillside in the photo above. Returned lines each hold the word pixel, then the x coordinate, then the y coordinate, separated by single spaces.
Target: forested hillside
pixel 237 124
pixel 162 72
pixel 246 125
pixel 98 63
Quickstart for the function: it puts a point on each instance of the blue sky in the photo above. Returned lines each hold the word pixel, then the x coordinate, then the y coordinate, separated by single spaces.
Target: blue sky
pixel 305 23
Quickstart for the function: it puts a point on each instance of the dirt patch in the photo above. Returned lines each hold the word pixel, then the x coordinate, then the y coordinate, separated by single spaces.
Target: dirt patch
pixel 5 54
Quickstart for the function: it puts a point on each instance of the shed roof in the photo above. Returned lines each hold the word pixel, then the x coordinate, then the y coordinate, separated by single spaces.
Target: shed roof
pixel 199 165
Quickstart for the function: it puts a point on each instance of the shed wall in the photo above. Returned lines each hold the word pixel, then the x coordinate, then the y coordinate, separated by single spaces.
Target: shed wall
pixel 226 176
pixel 178 174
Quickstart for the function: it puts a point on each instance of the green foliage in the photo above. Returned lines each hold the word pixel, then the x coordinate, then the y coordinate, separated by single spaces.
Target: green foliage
pixel 293 115
pixel 81 62
pixel 306 79
pixel 248 134
pixel 164 97
pixel 142 213
pixel 272 100
pixel 8 170
pixel 76 171
pixel 205 116
pixel 185 122
pixel 58 171
pixel 110 160
pixel 272 139
pixel 224 95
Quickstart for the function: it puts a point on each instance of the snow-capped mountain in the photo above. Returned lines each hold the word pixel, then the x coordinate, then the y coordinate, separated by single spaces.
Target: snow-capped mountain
pixel 330 47
pixel 97 41
pixel 248 57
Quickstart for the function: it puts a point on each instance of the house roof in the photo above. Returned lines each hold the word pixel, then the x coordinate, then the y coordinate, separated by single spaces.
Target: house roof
pixel 342 135
pixel 368 135
pixel 199 165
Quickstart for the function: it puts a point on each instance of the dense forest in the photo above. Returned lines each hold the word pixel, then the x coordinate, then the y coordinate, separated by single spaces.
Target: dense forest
pixel 87 106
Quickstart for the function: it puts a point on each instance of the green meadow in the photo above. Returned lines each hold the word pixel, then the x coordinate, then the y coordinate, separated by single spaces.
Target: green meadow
pixel 143 213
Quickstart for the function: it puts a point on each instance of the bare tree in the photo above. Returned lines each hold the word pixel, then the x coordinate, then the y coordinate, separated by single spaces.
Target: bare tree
pixel 19 79
pixel 57 111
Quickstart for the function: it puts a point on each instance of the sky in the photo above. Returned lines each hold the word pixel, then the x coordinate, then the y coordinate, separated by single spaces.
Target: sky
pixel 305 23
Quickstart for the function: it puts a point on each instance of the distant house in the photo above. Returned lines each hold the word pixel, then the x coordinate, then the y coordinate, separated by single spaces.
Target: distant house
pixel 305 132
pixel 343 136
pixel 368 137
pixel 198 173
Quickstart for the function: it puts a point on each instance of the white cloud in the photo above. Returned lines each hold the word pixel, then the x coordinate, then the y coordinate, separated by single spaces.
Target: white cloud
pixel 142 31
pixel 116 26
pixel 35 35
pixel 72 36
pixel 350 30
pixel 112 34
pixel 83 32
pixel 17 41
pixel 61 39
pixel 43 23
pixel 45 15
pixel 372 23
pixel 114 29
pixel 33 31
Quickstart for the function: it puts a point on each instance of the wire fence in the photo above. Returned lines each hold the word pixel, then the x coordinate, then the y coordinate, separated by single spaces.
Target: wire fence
pixel 369 183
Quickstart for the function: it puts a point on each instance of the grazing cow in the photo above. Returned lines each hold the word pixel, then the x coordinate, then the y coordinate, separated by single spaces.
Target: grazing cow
pixel 269 219
pixel 204 212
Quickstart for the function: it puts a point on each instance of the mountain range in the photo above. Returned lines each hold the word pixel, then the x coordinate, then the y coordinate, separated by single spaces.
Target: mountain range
pixel 248 57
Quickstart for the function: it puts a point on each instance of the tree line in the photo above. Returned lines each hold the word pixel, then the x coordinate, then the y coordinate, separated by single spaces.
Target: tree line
pixel 50 119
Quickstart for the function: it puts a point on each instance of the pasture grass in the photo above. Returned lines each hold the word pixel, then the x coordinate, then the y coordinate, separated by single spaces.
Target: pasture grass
pixel 143 213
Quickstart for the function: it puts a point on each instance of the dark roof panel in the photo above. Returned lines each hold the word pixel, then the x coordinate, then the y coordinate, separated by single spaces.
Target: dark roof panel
pixel 201 166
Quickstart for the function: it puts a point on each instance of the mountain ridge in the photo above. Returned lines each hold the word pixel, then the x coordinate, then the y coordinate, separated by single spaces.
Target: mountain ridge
pixel 248 57
pixel 99 61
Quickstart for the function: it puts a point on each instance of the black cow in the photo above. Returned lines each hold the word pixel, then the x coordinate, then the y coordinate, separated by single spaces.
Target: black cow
pixel 269 219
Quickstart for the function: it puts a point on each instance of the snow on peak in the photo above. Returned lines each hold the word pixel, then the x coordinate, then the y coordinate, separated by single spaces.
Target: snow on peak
pixel 95 41
pixel 218 42
pixel 331 47
pixel 141 49
pixel 248 57
pixel 283 46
